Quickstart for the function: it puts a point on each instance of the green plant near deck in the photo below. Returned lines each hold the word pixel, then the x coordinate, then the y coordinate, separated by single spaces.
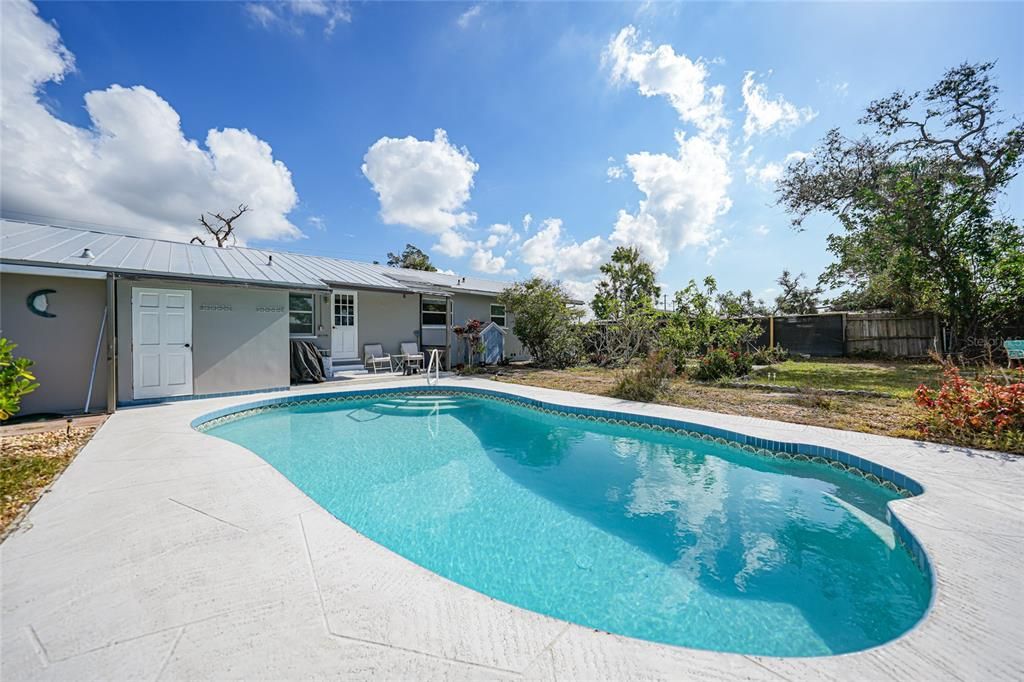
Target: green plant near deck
pixel 16 381
pixel 648 382
pixel 719 363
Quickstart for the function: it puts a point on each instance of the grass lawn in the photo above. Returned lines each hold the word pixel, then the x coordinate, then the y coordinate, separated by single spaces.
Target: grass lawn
pixel 895 415
pixel 29 462
pixel 898 379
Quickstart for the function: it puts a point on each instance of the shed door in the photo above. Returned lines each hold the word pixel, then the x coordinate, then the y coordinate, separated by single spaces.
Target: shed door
pixel 161 343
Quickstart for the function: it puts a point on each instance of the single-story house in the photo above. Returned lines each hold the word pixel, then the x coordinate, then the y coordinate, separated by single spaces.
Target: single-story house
pixel 115 319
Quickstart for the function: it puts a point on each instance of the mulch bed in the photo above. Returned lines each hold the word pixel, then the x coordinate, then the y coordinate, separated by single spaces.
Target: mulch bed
pixel 30 462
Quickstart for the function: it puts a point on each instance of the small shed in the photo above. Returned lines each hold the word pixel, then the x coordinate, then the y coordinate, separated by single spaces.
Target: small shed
pixel 493 338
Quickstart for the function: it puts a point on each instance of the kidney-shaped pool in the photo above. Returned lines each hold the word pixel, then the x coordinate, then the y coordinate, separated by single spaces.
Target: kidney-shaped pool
pixel 657 535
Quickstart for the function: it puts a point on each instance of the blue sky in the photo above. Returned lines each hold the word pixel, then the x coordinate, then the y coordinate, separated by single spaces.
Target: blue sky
pixel 537 102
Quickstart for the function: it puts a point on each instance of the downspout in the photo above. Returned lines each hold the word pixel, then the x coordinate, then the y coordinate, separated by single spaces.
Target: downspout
pixel 111 343
pixel 449 313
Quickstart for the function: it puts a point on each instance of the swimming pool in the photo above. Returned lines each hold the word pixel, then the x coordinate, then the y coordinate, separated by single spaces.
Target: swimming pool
pixel 634 529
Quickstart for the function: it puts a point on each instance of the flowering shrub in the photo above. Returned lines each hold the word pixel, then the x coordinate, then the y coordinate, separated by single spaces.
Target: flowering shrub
pixel 718 363
pixel 470 335
pixel 988 412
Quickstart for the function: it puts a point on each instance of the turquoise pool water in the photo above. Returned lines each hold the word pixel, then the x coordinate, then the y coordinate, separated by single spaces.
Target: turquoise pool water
pixel 651 535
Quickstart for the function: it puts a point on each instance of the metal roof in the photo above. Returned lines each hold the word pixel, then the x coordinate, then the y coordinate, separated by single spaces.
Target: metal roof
pixel 42 245
pixel 475 285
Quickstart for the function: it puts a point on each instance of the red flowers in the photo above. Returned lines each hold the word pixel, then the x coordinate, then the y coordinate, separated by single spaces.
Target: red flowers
pixel 988 411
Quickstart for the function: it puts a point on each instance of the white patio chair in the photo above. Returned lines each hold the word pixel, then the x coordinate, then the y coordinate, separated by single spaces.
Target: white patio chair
pixel 413 356
pixel 375 358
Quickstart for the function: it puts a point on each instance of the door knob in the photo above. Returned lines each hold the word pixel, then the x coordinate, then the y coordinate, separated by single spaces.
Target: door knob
pixel 188 345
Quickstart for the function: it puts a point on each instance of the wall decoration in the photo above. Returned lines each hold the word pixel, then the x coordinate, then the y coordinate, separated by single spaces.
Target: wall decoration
pixel 39 302
pixel 270 308
pixel 215 308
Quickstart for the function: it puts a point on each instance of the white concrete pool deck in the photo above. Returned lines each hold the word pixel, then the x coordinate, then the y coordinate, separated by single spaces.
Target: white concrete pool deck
pixel 163 553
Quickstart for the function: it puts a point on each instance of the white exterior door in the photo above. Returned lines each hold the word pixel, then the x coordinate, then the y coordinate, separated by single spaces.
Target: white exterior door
pixel 344 325
pixel 161 343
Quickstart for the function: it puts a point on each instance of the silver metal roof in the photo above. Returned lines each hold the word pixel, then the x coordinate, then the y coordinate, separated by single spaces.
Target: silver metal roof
pixel 52 246
pixel 475 285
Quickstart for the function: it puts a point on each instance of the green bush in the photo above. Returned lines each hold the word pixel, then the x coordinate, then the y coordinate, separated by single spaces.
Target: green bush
pixel 769 356
pixel 697 325
pixel 647 382
pixel 545 319
pixel 15 379
pixel 719 363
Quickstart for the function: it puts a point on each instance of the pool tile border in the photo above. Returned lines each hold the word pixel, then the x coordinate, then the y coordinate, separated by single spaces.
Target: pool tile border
pixel 872 472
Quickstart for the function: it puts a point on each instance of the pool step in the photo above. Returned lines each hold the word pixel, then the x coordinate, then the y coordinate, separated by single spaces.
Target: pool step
pixel 422 406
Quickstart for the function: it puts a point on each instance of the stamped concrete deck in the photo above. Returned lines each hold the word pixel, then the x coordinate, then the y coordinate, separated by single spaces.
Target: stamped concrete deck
pixel 163 553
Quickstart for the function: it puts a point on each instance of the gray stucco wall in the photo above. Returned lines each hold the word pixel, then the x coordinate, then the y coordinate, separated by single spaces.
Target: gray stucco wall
pixel 63 346
pixel 478 307
pixel 241 349
pixel 388 319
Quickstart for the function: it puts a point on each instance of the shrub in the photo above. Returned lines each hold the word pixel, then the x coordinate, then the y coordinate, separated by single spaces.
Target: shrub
pixel 719 363
pixel 988 412
pixel 647 382
pixel 545 320
pixel 697 326
pixel 616 343
pixel 16 381
pixel 769 356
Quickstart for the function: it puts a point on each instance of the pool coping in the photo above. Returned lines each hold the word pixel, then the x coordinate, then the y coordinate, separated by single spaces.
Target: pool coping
pixel 968 520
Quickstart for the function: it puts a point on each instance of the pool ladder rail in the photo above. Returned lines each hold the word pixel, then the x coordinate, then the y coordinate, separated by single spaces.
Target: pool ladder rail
pixel 435 365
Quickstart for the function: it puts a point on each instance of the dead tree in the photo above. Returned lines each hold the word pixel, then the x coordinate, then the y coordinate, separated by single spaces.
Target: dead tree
pixel 225 231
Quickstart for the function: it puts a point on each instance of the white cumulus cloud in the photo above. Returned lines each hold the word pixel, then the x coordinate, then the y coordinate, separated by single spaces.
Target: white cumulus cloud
pixel 555 256
pixel 133 167
pixel 765 114
pixel 684 194
pixel 423 184
pixel 660 71
pixel 484 260
pixel 683 197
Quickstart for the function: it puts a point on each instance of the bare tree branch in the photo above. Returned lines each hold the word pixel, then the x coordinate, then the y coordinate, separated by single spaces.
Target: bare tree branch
pixel 226 229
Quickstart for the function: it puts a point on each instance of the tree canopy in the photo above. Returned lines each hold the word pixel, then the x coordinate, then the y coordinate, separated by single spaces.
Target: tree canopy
pixel 795 299
pixel 916 198
pixel 545 320
pixel 628 286
pixel 411 258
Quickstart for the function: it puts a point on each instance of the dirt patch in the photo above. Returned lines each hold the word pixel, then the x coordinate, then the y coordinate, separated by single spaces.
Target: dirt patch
pixel 886 416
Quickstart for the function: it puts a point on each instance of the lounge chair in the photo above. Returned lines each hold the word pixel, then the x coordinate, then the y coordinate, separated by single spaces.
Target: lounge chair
pixel 1014 351
pixel 412 356
pixel 375 358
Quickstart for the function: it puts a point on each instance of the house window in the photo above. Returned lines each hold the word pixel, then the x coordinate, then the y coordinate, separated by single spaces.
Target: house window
pixel 498 314
pixel 435 312
pixel 300 314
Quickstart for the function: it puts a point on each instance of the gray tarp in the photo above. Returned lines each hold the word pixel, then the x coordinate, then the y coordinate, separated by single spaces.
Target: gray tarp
pixel 306 365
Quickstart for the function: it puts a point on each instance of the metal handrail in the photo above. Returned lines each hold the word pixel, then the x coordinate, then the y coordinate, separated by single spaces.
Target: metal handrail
pixel 435 364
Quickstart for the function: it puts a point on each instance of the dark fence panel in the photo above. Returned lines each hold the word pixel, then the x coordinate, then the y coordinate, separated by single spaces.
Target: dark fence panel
pixel 816 335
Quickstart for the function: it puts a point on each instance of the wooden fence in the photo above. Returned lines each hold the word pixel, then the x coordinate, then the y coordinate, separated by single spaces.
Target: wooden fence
pixel 900 336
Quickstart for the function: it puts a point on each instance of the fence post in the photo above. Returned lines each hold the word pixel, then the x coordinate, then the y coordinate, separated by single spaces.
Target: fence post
pixel 846 351
pixel 771 331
